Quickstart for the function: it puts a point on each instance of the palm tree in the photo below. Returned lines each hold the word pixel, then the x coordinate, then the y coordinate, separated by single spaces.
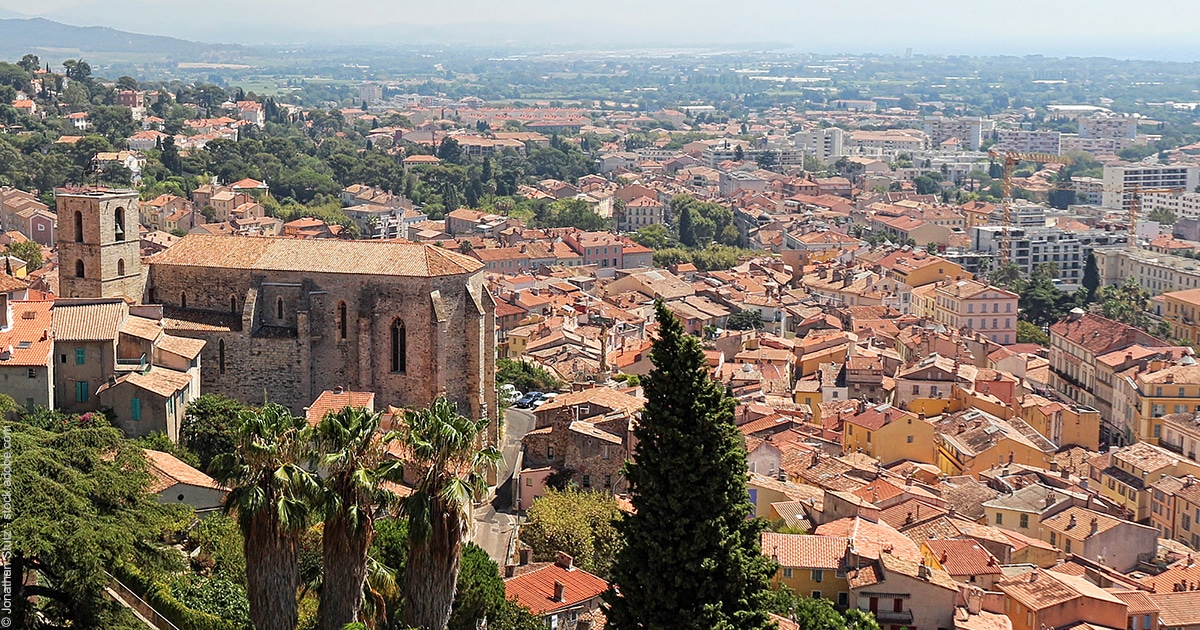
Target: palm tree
pixel 451 474
pixel 270 492
pixel 350 456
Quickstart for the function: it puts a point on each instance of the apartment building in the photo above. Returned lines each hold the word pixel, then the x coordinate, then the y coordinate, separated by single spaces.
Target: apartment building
pixel 1121 179
pixel 1108 127
pixel 1075 345
pixel 1090 190
pixel 1029 141
pixel 979 307
pixel 969 130
pixel 1033 246
pixel 825 144
pixel 1183 204
pixel 1157 273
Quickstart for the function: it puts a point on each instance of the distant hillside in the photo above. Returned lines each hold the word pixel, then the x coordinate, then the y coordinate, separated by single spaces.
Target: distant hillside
pixel 32 35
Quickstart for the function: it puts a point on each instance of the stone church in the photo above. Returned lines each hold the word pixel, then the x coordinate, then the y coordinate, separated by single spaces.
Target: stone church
pixel 285 319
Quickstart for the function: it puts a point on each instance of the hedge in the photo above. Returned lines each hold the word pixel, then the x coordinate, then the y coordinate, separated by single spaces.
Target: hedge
pixel 159 597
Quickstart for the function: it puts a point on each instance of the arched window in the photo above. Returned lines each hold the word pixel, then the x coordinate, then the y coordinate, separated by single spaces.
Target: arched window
pixel 119 224
pixel 279 308
pixel 221 356
pixel 79 268
pixel 78 226
pixel 342 319
pixel 120 266
pixel 233 304
pixel 182 300
pixel 399 347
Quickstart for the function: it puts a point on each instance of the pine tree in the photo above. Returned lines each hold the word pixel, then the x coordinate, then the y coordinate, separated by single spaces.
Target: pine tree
pixel 691 557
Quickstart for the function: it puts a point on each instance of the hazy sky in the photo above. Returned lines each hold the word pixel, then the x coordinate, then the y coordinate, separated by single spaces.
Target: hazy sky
pixel 1157 29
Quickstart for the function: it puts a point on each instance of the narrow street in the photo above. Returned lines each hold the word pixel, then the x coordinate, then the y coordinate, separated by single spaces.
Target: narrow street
pixel 493 523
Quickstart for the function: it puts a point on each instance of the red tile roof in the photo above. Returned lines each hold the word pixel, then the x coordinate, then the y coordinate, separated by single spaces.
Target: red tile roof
pixel 334 401
pixel 169 470
pixel 535 590
pixel 963 557
pixel 805 552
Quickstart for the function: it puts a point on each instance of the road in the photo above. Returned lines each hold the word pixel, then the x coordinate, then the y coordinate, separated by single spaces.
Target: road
pixel 494 524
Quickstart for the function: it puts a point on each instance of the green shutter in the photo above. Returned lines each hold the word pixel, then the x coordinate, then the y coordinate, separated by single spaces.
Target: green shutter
pixel 135 408
pixel 80 356
pixel 81 391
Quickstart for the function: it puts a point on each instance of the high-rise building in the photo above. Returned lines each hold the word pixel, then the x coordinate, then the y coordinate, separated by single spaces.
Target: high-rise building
pixel 1121 179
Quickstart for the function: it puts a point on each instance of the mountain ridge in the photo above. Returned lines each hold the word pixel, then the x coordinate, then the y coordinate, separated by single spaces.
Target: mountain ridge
pixel 19 35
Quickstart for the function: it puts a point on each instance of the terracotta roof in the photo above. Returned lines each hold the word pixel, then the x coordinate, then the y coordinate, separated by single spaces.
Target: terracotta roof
pixel 182 346
pixel 28 336
pixel 1038 589
pixel 1098 334
pixel 169 470
pixel 335 401
pixel 910 512
pixel 142 328
pixel 963 557
pixel 88 320
pixel 535 590
pixel 161 381
pixel 805 552
pixel 1139 602
pixel 1178 610
pixel 1178 573
pixel 872 539
pixel 604 396
pixel 316 256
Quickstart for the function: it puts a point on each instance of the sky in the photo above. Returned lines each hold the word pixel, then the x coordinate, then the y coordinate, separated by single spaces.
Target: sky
pixel 1148 29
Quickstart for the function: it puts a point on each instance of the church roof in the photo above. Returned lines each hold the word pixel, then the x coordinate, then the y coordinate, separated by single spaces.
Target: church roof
pixel 387 258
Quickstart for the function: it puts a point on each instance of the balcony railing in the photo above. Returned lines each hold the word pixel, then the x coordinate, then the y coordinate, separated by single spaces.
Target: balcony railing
pixel 891 616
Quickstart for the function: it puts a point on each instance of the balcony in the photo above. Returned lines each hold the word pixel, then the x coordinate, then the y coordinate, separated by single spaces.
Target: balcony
pixel 890 616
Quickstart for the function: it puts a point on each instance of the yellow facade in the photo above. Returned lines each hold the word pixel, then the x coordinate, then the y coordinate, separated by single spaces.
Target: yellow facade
pixel 929 271
pixel 1162 390
pixel 905 438
pixel 1064 425
pixel 1180 309
pixel 805 582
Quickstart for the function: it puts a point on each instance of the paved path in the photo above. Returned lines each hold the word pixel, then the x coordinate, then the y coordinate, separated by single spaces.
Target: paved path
pixel 494 527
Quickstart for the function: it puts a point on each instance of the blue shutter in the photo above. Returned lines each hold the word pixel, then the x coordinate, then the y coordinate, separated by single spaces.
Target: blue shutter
pixel 135 408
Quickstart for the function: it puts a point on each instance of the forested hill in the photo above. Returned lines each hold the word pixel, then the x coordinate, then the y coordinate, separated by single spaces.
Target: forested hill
pixel 19 36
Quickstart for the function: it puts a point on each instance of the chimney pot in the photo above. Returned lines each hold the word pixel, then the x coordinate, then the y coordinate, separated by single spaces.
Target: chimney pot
pixel 565 561
pixel 559 591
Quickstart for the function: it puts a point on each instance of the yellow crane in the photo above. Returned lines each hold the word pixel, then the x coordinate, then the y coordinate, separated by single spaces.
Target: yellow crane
pixel 1011 159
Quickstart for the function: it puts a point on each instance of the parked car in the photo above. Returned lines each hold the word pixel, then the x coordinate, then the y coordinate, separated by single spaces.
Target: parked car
pixel 547 398
pixel 510 396
pixel 528 400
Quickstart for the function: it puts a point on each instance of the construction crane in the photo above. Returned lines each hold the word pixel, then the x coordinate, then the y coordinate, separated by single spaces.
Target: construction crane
pixel 1135 205
pixel 1011 159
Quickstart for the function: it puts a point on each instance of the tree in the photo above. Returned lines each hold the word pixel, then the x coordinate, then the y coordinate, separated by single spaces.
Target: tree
pixel 818 614
pixel 926 185
pixel 451 475
pixel 738 153
pixel 170 156
pixel 30 63
pixel 127 83
pixel 350 455
pixel 210 427
pixel 576 522
pixel 1029 333
pixel 79 505
pixel 525 376
pixel 1125 303
pixel 745 320
pixel 654 236
pixel 1165 216
pixel 28 251
pixel 1091 277
pixel 691 557
pixel 269 494
pixel 687 230
pixel 450 151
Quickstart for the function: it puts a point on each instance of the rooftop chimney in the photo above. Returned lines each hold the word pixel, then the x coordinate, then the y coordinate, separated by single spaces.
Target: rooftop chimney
pixel 559 591
pixel 1095 526
pixel 565 561
pixel 1071 523
pixel 6 316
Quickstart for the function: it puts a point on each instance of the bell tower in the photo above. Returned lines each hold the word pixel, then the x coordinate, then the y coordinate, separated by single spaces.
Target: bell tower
pixel 98 245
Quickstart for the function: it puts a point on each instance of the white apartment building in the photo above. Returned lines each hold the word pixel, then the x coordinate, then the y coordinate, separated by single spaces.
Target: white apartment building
pixel 1157 273
pixel 1024 214
pixel 1120 179
pixel 824 144
pixel 968 130
pixel 1088 190
pixel 1183 204
pixel 891 140
pixel 1029 141
pixel 1107 126
pixel 1031 247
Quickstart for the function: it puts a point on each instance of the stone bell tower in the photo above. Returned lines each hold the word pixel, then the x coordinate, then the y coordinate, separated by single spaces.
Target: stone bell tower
pixel 98 245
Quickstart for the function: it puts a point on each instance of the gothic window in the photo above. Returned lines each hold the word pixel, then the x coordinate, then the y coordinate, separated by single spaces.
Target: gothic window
pixel 342 319
pixel 279 308
pixel 120 267
pixel 78 226
pixel 399 346
pixel 221 356
pixel 182 300
pixel 233 304
pixel 79 268
pixel 119 224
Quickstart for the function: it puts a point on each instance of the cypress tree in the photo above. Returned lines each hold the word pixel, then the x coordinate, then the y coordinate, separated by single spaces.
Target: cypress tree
pixel 1091 277
pixel 691 557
